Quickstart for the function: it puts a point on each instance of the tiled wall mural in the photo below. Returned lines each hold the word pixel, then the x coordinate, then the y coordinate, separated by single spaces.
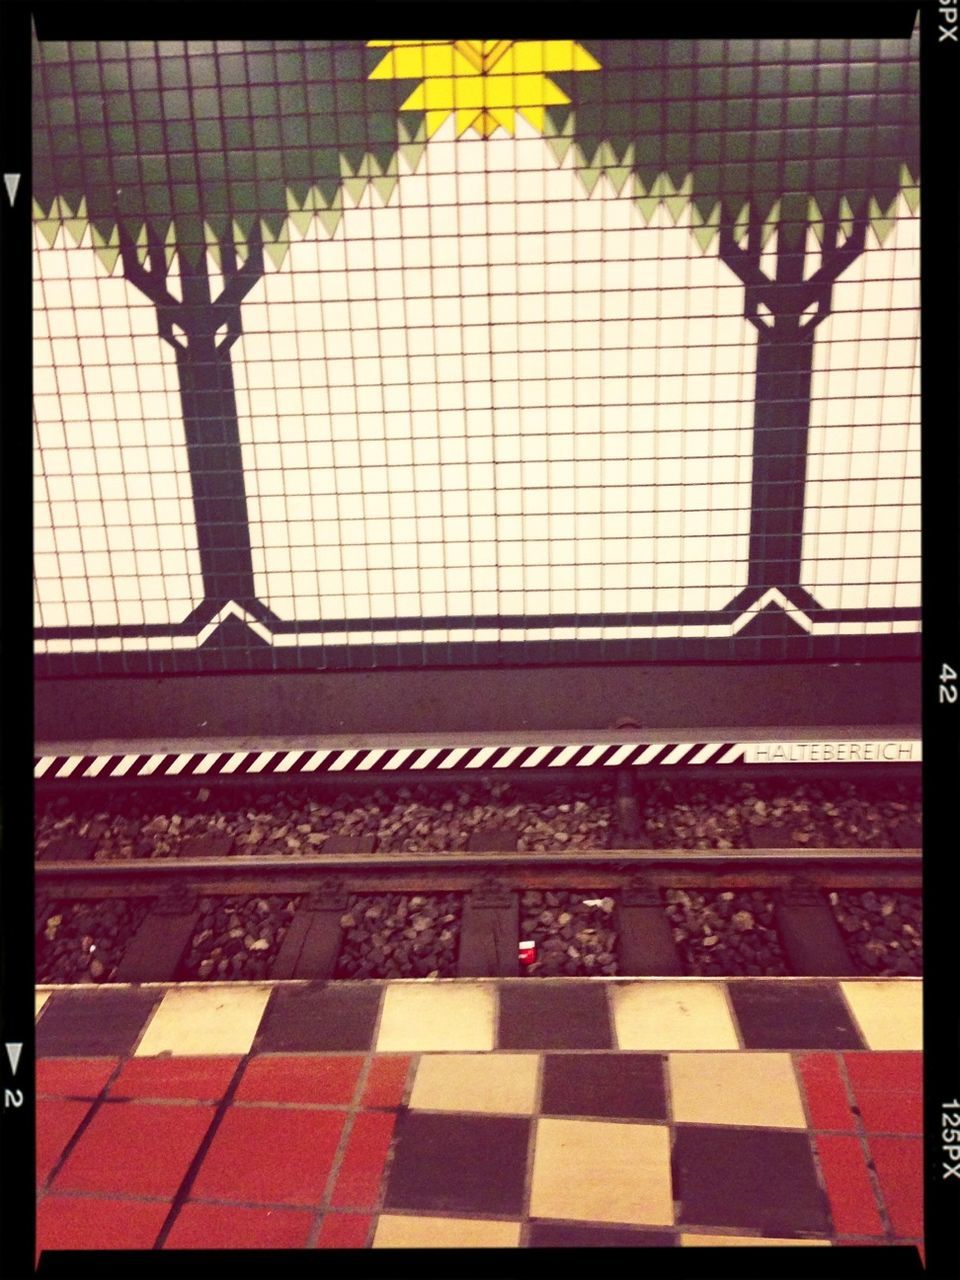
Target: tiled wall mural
pixel 468 351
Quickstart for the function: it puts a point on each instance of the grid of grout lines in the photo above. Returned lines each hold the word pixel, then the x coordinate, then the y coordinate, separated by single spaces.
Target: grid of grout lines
pixel 481 390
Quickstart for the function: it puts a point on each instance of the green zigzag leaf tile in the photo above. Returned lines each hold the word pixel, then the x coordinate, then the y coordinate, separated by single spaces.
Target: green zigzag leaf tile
pixel 385 188
pixel 846 217
pixel 705 231
pixel 77 224
pixel 911 189
pixel 678 202
pixel 48 224
pixel 815 219
pixel 741 226
pixel 771 222
pixel 882 223
pixel 108 251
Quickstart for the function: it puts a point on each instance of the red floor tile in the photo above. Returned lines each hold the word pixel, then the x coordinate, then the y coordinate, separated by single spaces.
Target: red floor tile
pixel 891 1112
pixel 889 1091
pixel 136 1148
pixel 344 1231
pixel 386 1081
pixel 76 1077
pixel 899 1164
pixel 225 1226
pixel 57 1122
pixel 826 1092
pixel 885 1070
pixel 358 1182
pixel 270 1155
pixel 301 1077
pixel 93 1222
pixel 853 1204
pixel 196 1079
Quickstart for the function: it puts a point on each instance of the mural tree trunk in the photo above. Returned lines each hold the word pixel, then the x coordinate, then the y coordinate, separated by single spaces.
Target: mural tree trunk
pixel 202 329
pixel 785 311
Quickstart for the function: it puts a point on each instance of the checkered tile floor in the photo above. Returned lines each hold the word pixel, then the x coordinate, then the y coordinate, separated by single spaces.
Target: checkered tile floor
pixel 482 1113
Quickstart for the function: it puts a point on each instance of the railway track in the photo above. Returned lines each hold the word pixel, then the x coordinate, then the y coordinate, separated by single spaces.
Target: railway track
pixel 494 902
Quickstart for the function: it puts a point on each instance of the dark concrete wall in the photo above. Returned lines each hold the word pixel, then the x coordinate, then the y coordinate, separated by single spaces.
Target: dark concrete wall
pixel 500 700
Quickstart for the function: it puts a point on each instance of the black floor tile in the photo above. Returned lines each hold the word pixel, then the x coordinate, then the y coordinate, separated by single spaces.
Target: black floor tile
pixel 93 1023
pixel 566 1235
pixel 339 1015
pixel 463 1163
pixel 798 1015
pixel 539 1014
pixel 628 1085
pixel 758 1178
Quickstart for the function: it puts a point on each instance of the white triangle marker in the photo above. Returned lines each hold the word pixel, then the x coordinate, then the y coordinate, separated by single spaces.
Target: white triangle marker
pixel 11 181
pixel 13 1053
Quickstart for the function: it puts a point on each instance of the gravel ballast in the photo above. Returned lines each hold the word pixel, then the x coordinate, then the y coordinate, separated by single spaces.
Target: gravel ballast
pixel 729 933
pixel 429 817
pixel 84 941
pixel 882 930
pixel 237 938
pixel 573 931
pixel 392 935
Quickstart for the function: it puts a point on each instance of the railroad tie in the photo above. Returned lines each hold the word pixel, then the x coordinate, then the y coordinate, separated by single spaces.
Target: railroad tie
pixel 155 949
pixel 809 932
pixel 490 933
pixel 647 948
pixel 312 943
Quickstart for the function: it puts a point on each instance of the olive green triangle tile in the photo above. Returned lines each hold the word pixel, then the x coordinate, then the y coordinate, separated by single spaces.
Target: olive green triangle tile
pixel 107 250
pixel 384 188
pixel 646 203
pixel 588 174
pixel 815 219
pixel 170 244
pixel 679 198
pixel 330 217
pixel 846 218
pixel 619 171
pixel 911 189
pixel 741 227
pixel 77 224
pixel 413 154
pixel 301 215
pixel 559 147
pixel 48 224
pixel 276 249
pixel 355 187
pixel 140 245
pixel 213 245
pixel 882 223
pixel 705 229
pixel 240 242
pixel 770 224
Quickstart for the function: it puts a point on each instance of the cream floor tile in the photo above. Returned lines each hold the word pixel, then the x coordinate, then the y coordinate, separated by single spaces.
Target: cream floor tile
pixel 398 1231
pixel 435 1016
pixel 688 1239
pixel 673 1015
pixel 205 1021
pixel 595 1171
pixel 40 998
pixel 889 1011
pixel 735 1088
pixel 501 1083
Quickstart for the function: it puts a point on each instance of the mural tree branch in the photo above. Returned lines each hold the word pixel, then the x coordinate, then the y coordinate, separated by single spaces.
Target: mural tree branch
pixel 204 150
pixel 809 137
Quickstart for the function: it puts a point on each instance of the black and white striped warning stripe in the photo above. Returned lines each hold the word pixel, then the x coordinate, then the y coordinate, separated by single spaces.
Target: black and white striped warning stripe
pixel 383 759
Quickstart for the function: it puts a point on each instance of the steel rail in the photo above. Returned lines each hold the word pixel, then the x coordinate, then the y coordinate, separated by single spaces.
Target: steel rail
pixel 680 859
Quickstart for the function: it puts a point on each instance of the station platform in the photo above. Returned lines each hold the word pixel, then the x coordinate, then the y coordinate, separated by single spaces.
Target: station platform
pixel 488 1113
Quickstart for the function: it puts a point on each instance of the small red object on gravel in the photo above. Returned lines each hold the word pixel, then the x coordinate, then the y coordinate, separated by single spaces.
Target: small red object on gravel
pixel 528 952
